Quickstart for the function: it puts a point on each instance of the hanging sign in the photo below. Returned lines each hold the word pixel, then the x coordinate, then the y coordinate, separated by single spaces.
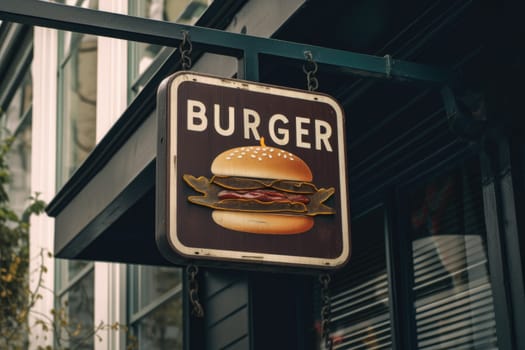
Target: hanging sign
pixel 250 173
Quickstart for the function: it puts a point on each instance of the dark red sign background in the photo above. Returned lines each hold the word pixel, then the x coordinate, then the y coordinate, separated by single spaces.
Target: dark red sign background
pixel 196 151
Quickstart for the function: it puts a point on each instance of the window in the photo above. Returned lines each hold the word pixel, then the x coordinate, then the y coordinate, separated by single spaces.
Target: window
pixel 143 55
pixel 77 104
pixel 453 295
pixel 453 303
pixel 155 306
pixel 77 81
pixel 75 304
pixel 360 316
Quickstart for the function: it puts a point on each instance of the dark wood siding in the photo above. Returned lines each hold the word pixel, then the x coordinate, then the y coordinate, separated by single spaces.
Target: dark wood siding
pixel 226 305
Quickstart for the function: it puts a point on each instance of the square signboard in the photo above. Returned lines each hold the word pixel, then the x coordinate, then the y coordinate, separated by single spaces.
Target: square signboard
pixel 251 173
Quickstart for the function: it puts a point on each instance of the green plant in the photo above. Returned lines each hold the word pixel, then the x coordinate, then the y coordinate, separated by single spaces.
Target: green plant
pixel 16 296
pixel 16 299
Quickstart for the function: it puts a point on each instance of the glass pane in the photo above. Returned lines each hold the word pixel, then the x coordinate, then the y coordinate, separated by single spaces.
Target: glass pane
pixel 78 114
pixel 161 329
pixel 453 294
pixel 18 106
pixel 152 282
pixel 70 39
pixel 360 316
pixel 19 162
pixel 19 156
pixel 76 308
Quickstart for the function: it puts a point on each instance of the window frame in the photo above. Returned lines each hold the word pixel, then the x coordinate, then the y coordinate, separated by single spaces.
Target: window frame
pixel 135 314
pixel 402 283
pixel 62 289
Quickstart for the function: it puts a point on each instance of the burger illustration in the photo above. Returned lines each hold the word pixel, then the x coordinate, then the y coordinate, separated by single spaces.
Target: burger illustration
pixel 261 190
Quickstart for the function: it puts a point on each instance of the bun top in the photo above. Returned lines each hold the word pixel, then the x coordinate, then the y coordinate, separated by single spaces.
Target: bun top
pixel 261 162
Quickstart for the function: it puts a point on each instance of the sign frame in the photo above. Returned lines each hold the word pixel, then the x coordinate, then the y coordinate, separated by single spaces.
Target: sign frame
pixel 169 243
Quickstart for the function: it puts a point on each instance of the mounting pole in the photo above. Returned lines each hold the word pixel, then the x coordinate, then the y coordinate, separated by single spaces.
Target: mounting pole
pixel 242 46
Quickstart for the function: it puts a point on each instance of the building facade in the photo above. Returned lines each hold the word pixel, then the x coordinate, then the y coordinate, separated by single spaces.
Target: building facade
pixel 435 175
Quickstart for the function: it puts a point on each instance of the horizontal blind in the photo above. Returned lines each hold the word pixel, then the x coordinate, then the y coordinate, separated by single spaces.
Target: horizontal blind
pixel 360 317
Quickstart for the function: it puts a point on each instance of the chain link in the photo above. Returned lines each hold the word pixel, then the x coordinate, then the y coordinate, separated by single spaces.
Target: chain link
pixel 388 66
pixel 185 48
pixel 310 69
pixel 193 291
pixel 326 311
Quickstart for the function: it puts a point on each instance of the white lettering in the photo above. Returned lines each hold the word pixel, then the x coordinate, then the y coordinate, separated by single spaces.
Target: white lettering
pixel 300 131
pixel 306 135
pixel 217 120
pixel 196 112
pixel 323 132
pixel 251 125
pixel 283 140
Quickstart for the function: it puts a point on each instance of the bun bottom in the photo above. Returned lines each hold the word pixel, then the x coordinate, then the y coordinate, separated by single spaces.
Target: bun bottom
pixel 262 223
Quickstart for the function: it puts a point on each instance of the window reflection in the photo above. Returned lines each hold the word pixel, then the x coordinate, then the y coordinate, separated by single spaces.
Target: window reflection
pixel 17 123
pixel 453 294
pixel 77 304
pixel 156 306
pixel 162 329
pixel 79 105
pixel 179 11
pixel 78 78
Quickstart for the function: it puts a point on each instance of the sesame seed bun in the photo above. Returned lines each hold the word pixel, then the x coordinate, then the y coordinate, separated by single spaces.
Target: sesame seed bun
pixel 263 223
pixel 261 162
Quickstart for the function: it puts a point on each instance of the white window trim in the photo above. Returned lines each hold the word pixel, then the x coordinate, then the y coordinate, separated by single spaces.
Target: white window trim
pixel 43 166
pixel 112 76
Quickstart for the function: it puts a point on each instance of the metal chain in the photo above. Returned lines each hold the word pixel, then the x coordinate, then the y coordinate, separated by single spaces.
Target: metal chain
pixel 310 68
pixel 193 291
pixel 326 311
pixel 185 48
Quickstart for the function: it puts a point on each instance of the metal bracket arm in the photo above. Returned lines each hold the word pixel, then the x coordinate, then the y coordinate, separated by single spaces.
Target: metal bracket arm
pixel 245 47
